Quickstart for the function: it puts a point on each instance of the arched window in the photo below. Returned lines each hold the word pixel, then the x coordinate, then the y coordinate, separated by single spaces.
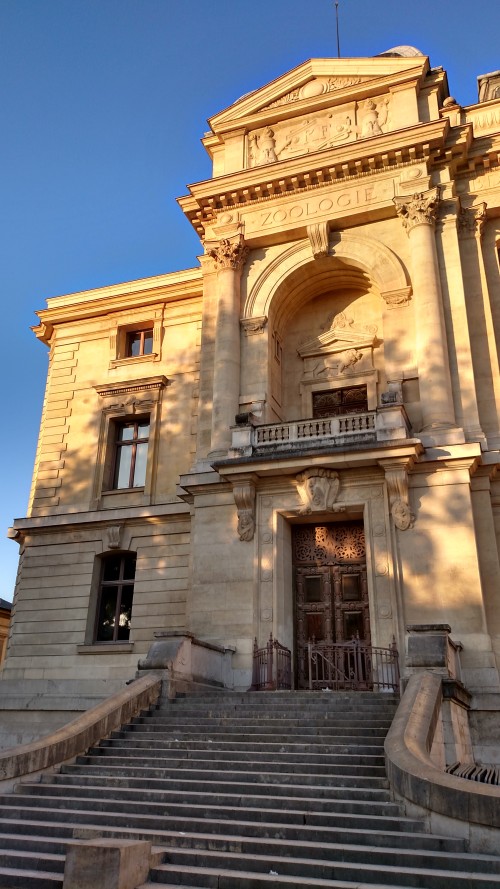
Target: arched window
pixel 116 591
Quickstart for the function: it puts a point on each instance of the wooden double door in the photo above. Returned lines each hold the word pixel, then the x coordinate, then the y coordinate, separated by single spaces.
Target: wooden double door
pixel 331 592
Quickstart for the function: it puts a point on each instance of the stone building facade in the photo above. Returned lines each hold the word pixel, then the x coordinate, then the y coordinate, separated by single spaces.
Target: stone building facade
pixel 300 435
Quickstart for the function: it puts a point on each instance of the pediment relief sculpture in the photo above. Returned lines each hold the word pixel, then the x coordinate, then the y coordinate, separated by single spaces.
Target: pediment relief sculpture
pixel 318 489
pixel 325 129
pixel 317 86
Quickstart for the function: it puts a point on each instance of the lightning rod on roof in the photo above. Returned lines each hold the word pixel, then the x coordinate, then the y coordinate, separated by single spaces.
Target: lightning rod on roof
pixel 337 23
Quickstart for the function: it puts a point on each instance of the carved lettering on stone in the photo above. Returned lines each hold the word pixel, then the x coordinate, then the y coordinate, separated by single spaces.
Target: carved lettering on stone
pixel 317 489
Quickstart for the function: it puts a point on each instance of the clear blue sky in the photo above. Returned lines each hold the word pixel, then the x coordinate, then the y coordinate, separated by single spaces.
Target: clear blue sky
pixel 103 103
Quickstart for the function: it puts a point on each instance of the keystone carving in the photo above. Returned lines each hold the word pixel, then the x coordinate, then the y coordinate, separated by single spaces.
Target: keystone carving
pixel 419 209
pixel 114 536
pixel 317 489
pixel 318 236
pixel 229 254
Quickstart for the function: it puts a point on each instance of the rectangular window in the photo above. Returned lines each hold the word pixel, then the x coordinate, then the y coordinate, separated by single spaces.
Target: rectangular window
pixel 132 439
pixel 115 598
pixel 335 402
pixel 139 342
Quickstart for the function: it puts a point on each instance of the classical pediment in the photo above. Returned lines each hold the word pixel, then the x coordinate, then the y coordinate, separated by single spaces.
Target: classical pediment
pixel 343 333
pixel 313 84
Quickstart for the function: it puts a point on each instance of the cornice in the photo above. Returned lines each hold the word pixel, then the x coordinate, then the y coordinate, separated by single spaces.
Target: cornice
pixel 393 150
pixel 142 293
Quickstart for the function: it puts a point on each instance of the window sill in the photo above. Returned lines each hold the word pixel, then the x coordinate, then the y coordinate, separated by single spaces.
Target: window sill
pixel 134 359
pixel 106 648
pixel 124 497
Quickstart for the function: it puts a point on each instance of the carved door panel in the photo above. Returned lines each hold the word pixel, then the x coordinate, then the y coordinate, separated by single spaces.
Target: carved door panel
pixel 331 592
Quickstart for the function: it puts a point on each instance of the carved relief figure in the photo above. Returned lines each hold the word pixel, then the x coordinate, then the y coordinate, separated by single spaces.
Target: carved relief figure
pixel 317 489
pixel 373 118
pixel 349 358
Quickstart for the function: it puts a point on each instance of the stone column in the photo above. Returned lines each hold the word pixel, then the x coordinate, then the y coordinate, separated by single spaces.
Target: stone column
pixel 418 214
pixel 229 257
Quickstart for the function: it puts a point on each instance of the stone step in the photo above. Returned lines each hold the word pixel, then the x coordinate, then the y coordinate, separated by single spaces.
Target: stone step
pixel 370 756
pixel 217 793
pixel 245 774
pixel 269 746
pixel 244 871
pixel 13 878
pixel 316 790
pixel 368 766
pixel 287 725
pixel 367 736
pixel 219 834
pixel 19 859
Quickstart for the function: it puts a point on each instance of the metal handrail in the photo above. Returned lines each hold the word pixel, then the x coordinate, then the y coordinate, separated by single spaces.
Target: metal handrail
pixel 272 666
pixel 353 665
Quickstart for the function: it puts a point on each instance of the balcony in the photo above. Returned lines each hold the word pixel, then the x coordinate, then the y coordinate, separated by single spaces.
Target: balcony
pixel 388 423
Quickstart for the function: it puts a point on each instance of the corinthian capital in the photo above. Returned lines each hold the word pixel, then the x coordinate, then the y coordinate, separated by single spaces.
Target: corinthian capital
pixel 419 209
pixel 230 253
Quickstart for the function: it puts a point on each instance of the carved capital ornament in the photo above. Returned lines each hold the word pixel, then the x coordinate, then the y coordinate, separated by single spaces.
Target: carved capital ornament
pixel 229 254
pixel 419 209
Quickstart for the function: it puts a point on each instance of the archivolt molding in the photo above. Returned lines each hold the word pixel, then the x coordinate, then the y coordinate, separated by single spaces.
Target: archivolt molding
pixel 368 254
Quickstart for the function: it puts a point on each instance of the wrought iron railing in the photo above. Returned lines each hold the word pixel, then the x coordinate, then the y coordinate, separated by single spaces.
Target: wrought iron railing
pixel 272 668
pixel 352 665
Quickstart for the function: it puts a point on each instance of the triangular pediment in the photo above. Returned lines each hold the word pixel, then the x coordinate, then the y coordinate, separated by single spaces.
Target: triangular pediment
pixel 343 334
pixel 313 83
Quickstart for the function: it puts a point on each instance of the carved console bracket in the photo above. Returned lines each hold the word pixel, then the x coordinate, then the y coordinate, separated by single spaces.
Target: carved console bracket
pixel 244 498
pixel 318 236
pixel 318 489
pixel 252 326
pixel 396 477
pixel 114 536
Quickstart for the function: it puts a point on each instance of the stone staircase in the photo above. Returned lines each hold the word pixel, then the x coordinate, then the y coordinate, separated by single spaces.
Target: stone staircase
pixel 240 791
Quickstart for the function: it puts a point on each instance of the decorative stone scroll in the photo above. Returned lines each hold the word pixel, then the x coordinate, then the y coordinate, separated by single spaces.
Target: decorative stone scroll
pixel 396 476
pixel 317 489
pixel 244 498
pixel 419 209
pixel 114 536
pixel 316 87
pixel 230 254
pixel 318 236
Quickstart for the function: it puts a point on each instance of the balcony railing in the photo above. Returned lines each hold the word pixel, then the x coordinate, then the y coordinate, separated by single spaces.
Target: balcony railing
pixel 383 425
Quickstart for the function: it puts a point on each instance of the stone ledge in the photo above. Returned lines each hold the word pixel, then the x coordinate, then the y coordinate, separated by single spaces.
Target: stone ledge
pixel 80 734
pixel 414 777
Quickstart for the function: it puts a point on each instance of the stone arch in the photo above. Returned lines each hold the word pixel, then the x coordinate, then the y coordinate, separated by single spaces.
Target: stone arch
pixel 346 250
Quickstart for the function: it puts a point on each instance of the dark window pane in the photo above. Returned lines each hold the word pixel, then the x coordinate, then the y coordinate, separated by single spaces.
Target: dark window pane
pixel 340 401
pixel 312 586
pixel 133 344
pixel 353 625
pixel 107 612
pixel 148 342
pixel 129 563
pixel 111 569
pixel 351 587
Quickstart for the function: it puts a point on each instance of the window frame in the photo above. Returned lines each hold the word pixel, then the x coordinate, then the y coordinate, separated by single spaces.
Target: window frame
pixel 122 403
pixel 141 333
pixel 102 585
pixel 121 444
